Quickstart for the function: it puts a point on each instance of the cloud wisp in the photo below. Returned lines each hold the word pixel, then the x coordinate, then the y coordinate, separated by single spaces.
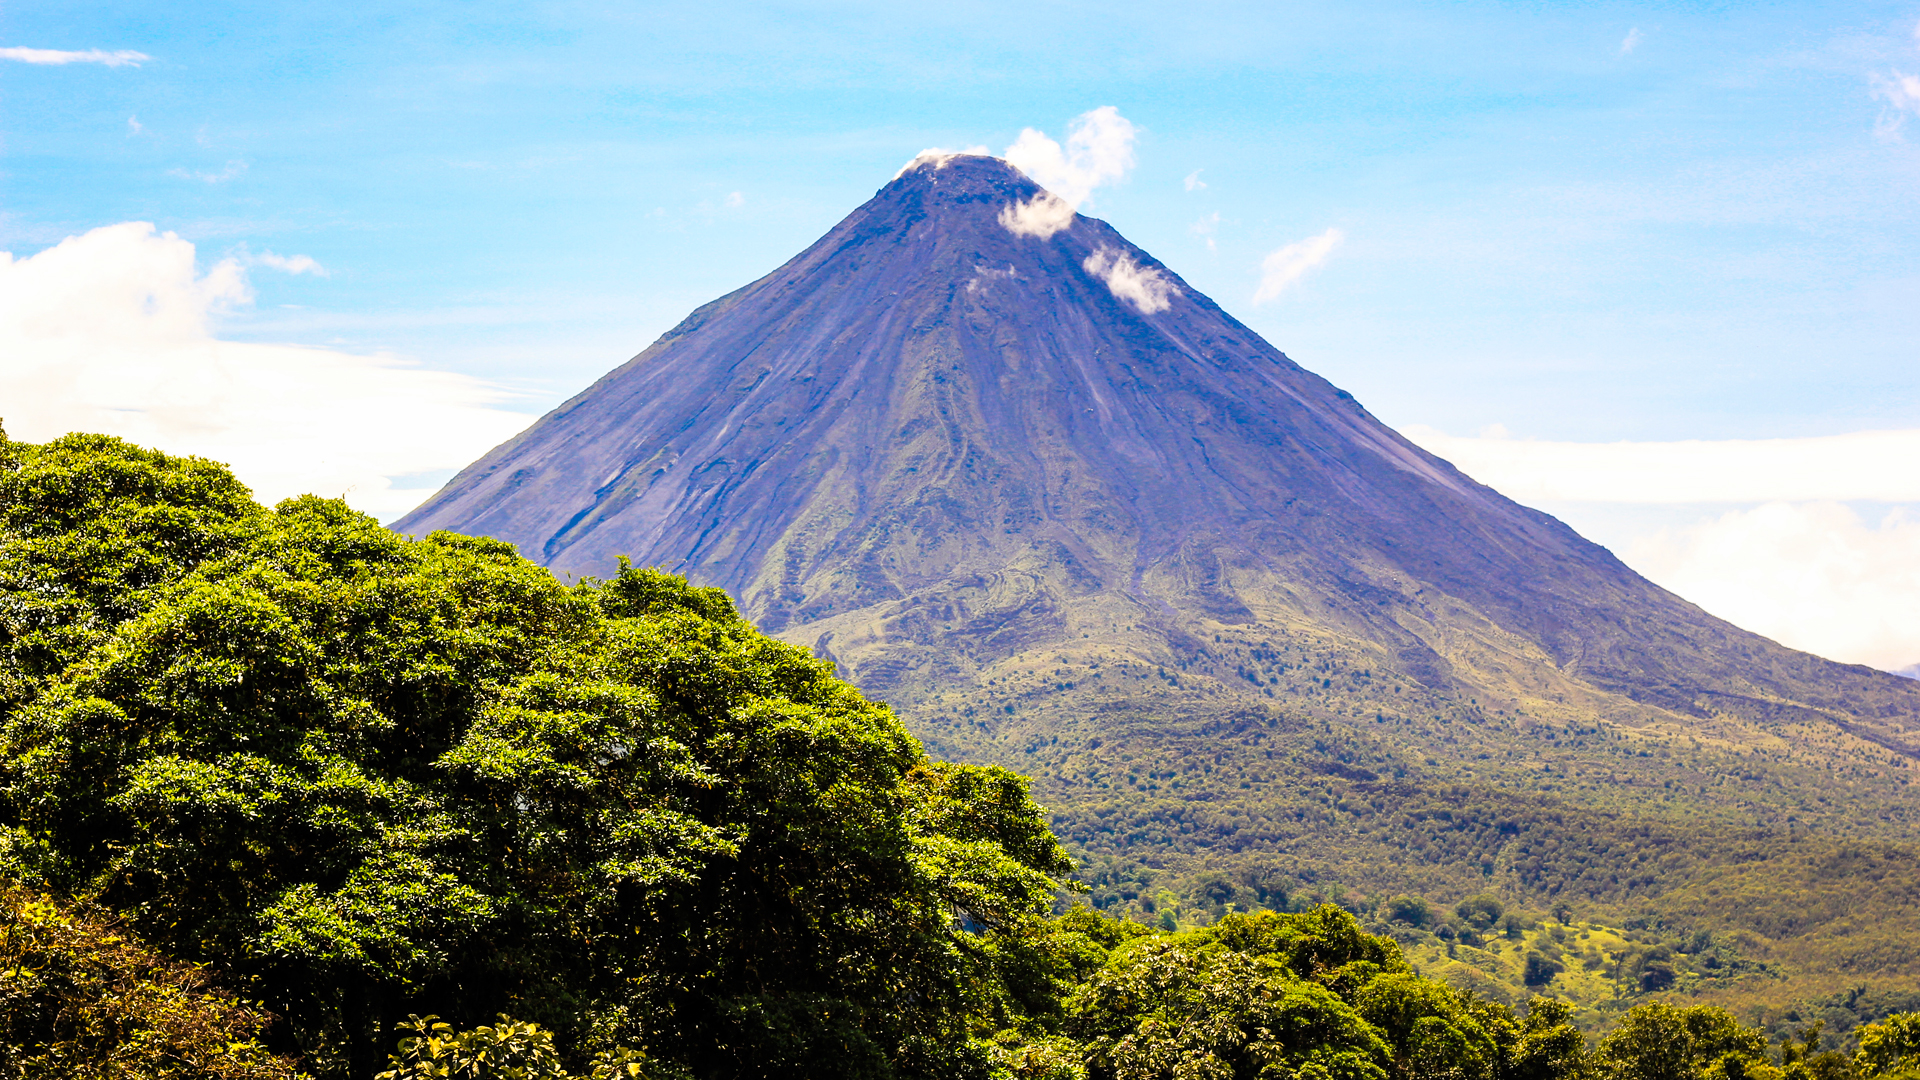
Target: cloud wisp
pixel 937 158
pixel 1899 93
pixel 1205 229
pixel 1193 181
pixel 1282 268
pixel 115 58
pixel 1631 41
pixel 1099 150
pixel 288 264
pixel 1147 288
pixel 1899 97
pixel 112 332
pixel 232 171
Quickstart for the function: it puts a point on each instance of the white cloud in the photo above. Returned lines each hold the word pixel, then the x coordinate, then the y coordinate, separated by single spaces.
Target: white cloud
pixel 736 199
pixel 1812 576
pixel 135 127
pixel 1631 41
pixel 111 332
pixel 1874 465
pixel 1901 93
pixel 1145 287
pixel 1041 216
pixel 1099 151
pixel 1205 228
pixel 288 264
pixel 1792 563
pixel 1289 264
pixel 1193 181
pixel 233 169
pixel 118 58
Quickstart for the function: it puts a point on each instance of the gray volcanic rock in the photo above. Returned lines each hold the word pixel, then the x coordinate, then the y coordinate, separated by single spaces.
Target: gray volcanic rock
pixel 1054 503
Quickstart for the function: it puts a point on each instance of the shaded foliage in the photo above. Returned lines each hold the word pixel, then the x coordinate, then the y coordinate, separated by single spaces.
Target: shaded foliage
pixel 79 996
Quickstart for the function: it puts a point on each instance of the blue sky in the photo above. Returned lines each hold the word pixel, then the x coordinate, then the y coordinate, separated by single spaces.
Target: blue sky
pixel 1558 223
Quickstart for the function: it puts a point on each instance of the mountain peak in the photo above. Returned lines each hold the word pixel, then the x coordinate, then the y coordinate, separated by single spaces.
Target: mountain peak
pixel 986 191
pixel 958 171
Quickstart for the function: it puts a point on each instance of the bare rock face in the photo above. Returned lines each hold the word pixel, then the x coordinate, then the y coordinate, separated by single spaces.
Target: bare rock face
pixel 1014 475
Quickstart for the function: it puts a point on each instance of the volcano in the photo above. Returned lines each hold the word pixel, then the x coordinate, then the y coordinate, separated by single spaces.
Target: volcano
pixel 1015 476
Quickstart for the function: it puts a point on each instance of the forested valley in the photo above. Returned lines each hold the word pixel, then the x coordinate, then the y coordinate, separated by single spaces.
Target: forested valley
pixel 283 793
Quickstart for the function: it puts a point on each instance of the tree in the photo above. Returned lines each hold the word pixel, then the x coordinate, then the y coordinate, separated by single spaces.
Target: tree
pixel 1550 1047
pixel 1178 1007
pixel 1480 912
pixel 1656 1041
pixel 360 774
pixel 1890 1046
pixel 1540 970
pixel 1308 995
pixel 1433 1029
pixel 80 997
pixel 1412 910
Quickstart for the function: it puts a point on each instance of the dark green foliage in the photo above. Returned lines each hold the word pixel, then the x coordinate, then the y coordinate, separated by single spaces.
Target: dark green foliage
pixel 1657 1041
pixel 1842 1017
pixel 1540 971
pixel 1411 910
pixel 1481 912
pixel 1307 994
pixel 360 774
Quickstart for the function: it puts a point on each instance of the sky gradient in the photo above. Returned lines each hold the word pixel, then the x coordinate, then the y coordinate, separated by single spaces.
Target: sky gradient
pixel 1562 245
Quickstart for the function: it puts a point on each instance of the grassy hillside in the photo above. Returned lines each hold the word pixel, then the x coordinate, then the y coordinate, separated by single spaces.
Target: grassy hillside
pixel 1254 766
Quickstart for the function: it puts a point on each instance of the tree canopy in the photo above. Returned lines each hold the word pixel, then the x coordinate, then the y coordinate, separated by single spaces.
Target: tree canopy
pixel 358 772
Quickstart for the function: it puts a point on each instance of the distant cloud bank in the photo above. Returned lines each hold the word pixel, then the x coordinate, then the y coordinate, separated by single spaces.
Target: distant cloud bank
pixel 112 332
pixel 118 58
pixel 1815 576
pixel 1875 465
pixel 1786 558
